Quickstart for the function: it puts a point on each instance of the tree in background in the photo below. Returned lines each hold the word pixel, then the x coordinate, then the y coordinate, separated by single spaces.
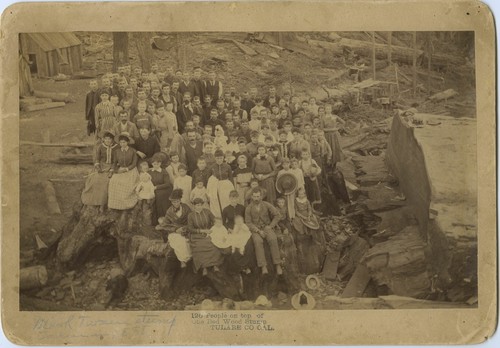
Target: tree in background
pixel 144 49
pixel 120 49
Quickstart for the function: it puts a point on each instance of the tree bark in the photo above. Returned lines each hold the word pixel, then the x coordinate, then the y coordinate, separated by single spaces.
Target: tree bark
pixel 120 50
pixel 138 244
pixel 144 49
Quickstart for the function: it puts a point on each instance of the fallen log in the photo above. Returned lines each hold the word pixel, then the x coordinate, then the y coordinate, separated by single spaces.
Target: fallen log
pixel 27 303
pixel 24 102
pixel 38 107
pixel 365 48
pixel 77 145
pixel 80 158
pixel 50 195
pixel 447 94
pixel 394 39
pixel 32 277
pixel 55 96
pixel 245 49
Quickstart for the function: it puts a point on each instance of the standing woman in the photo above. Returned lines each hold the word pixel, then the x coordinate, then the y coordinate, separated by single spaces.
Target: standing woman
pixel 105 115
pixel 124 177
pixel 264 170
pixel 311 172
pixel 96 185
pixel 242 178
pixel 163 188
pixel 331 128
pixel 219 184
pixel 205 253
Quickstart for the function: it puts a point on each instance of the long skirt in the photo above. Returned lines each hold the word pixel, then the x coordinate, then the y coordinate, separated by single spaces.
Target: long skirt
pixel 268 184
pixel 205 254
pixel 312 190
pixel 181 246
pixel 121 192
pixel 333 139
pixel 161 203
pixel 107 124
pixel 218 193
pixel 96 189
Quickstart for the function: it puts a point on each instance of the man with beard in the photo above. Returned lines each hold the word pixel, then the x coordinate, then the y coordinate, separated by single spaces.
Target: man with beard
pixel 193 149
pixel 185 112
pixel 199 85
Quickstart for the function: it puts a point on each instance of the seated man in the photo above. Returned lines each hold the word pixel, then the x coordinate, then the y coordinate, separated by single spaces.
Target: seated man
pixel 261 218
pixel 146 145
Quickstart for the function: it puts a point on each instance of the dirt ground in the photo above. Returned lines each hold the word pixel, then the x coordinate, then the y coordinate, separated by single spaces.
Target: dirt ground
pixel 67 124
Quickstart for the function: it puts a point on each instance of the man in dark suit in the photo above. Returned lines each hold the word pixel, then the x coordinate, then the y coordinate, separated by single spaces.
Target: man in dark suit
pixel 185 112
pixel 213 87
pixel 193 150
pixel 91 100
pixel 199 85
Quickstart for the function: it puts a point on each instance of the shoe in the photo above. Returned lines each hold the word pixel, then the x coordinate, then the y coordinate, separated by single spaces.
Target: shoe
pixel 205 272
pixel 247 271
pixel 183 264
pixel 279 270
pixel 216 269
pixel 264 270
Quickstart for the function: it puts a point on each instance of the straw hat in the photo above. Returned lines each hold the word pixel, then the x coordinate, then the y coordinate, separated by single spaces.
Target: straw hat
pixel 303 300
pixel 286 183
pixel 313 282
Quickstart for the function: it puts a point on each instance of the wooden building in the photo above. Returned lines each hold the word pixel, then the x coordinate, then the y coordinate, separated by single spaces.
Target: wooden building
pixel 50 54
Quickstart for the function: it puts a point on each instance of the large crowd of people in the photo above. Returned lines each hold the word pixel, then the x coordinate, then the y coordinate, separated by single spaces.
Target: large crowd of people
pixel 208 160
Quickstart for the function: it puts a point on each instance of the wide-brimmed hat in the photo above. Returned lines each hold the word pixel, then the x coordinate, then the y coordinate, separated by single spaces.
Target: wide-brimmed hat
pixel 303 300
pixel 312 223
pixel 313 282
pixel 286 183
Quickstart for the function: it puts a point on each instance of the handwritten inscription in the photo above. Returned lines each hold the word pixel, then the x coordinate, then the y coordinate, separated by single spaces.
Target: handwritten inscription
pixel 232 321
pixel 82 325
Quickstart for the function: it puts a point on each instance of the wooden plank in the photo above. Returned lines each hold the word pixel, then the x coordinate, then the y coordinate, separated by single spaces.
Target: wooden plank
pixel 245 49
pixel 46 144
pixel 358 282
pixel 55 96
pixel 45 106
pixel 83 158
pixel 50 195
pixel 331 265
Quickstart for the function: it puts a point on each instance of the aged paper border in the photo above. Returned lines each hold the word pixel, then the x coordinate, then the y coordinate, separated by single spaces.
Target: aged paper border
pixel 437 326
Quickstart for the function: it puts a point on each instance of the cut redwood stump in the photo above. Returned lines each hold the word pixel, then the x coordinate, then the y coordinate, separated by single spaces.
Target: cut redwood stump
pixel 139 246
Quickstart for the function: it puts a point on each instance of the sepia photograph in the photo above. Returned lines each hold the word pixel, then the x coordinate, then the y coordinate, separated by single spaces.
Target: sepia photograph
pixel 243 170
pixel 315 179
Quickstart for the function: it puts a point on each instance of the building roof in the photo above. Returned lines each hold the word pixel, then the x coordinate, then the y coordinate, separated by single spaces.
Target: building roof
pixel 52 41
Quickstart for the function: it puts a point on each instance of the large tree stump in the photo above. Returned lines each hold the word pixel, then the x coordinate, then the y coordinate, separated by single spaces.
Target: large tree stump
pixel 138 246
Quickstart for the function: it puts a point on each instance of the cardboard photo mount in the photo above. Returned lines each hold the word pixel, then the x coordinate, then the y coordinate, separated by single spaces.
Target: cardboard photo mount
pixel 305 327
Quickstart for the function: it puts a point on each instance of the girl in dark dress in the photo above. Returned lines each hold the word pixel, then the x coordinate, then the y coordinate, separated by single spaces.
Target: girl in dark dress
pixel 163 188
